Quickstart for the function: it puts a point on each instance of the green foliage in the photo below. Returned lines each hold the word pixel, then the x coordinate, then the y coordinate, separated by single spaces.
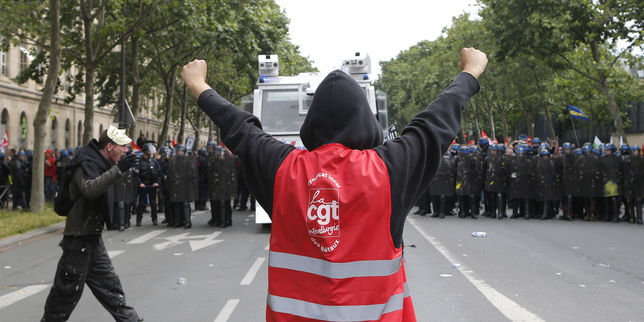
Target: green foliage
pixel 540 59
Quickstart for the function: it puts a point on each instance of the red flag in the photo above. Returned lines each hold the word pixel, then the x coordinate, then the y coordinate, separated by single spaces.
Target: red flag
pixel 174 143
pixel 530 140
pixel 5 140
pixel 136 147
pixel 471 142
pixel 505 141
pixel 483 135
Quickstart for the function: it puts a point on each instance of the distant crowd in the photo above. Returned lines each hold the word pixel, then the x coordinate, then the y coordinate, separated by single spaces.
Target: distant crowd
pixel 538 180
pixel 165 180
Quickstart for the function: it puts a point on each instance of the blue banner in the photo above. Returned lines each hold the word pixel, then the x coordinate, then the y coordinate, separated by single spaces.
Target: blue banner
pixel 575 112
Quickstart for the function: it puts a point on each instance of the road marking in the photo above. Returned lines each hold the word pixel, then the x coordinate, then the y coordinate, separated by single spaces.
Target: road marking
pixel 227 310
pixel 20 294
pixel 506 306
pixel 206 240
pixel 114 253
pixel 267 246
pixel 146 237
pixel 252 271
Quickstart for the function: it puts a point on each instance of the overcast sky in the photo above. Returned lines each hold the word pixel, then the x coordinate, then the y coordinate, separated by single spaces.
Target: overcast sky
pixel 331 30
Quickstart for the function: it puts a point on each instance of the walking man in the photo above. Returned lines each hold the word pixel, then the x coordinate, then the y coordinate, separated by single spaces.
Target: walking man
pixel 96 167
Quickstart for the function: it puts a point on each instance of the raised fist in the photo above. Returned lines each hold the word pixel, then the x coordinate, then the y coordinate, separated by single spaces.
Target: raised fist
pixel 473 61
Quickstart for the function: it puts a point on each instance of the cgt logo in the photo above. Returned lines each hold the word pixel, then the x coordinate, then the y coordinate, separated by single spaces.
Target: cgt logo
pixel 323 214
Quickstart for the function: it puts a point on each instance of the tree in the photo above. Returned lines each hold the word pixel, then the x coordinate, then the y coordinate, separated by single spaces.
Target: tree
pixel 551 30
pixel 26 18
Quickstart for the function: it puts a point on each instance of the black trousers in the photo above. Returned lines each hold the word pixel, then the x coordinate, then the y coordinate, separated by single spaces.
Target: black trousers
pixel 221 213
pixel 85 261
pixel 144 194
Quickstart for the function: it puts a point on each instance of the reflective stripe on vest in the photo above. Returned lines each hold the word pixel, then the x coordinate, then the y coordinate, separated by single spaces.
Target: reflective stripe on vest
pixel 334 270
pixel 337 312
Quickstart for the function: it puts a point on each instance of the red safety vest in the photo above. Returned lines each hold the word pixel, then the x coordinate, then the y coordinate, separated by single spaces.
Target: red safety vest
pixel 331 253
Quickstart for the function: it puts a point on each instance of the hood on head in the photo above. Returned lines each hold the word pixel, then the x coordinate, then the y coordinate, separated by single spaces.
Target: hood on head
pixel 340 113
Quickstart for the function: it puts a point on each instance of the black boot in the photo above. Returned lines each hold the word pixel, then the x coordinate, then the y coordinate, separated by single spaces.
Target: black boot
pixel 186 213
pixel 567 208
pixel 442 209
pixel 614 207
pixel 637 212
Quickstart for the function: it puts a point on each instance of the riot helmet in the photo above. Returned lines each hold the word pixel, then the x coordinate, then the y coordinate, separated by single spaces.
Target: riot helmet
pixel 180 149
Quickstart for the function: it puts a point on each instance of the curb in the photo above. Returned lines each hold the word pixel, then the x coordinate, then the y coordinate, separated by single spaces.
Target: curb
pixel 7 241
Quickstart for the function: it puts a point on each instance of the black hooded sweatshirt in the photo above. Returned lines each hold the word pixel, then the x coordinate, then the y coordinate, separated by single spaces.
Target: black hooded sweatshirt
pixel 92 191
pixel 340 113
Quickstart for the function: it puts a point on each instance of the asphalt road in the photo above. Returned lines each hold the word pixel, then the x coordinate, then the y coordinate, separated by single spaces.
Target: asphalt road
pixel 522 271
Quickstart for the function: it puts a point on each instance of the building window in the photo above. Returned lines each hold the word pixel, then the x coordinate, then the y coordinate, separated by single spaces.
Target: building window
pixel 23 129
pixel 24 59
pixel 54 125
pixel 3 57
pixel 79 133
pixel 3 63
pixel 67 129
pixel 3 122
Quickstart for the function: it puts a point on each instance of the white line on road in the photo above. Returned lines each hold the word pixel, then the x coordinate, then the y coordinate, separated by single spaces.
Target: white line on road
pixel 114 253
pixel 509 308
pixel 146 237
pixel 227 310
pixel 20 294
pixel 267 246
pixel 252 271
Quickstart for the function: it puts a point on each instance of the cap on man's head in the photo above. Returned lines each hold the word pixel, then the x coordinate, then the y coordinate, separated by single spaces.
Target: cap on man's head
pixel 48 151
pixel 117 136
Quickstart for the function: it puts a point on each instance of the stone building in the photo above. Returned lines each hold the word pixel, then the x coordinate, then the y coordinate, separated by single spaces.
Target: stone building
pixel 19 104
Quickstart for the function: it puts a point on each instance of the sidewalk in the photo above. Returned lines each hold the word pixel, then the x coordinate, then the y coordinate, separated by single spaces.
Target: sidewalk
pixel 31 234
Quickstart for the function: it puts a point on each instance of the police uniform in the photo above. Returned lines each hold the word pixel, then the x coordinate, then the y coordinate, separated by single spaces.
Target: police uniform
pixel 590 182
pixel 148 180
pixel 523 181
pixel 634 183
pixel 183 182
pixel 441 188
pixel 550 189
pixel 613 178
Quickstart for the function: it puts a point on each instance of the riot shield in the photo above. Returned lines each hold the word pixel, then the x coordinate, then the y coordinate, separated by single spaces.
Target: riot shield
pixel 183 179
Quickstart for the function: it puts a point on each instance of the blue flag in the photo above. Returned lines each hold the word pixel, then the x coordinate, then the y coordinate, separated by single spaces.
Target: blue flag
pixel 575 112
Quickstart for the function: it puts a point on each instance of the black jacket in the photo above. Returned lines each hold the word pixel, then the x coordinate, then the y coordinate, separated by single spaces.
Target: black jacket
pixel 340 113
pixel 92 190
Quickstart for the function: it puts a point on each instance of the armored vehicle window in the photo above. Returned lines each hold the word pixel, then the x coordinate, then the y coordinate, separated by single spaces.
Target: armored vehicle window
pixel 280 111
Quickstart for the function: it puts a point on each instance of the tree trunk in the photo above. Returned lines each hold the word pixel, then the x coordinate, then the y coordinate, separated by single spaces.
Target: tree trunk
pixel 476 120
pixel 504 118
pixel 198 128
pixel 89 82
pixel 612 105
pixel 136 84
pixel 40 121
pixel 169 92
pixel 491 119
pixel 463 123
pixel 89 103
pixel 528 119
pixel 551 128
pixel 184 107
